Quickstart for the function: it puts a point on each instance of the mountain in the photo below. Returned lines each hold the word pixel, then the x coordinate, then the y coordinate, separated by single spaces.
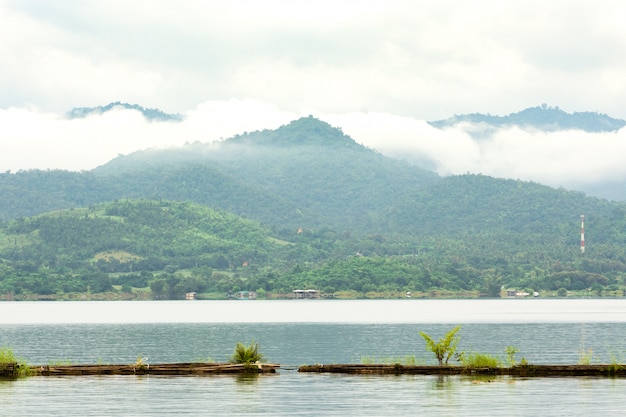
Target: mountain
pixel 314 175
pixel 305 174
pixel 306 207
pixel 153 115
pixel 543 118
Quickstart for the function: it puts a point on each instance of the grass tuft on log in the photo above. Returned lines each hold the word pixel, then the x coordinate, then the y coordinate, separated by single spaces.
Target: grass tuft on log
pixel 246 354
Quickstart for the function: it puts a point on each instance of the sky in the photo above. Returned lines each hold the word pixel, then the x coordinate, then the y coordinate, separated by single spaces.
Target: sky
pixel 377 69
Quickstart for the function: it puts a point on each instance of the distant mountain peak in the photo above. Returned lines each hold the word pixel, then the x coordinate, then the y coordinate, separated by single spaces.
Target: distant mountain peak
pixel 544 118
pixel 153 115
pixel 305 131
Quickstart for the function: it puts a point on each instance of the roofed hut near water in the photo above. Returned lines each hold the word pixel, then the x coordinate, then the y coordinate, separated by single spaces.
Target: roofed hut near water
pixel 301 294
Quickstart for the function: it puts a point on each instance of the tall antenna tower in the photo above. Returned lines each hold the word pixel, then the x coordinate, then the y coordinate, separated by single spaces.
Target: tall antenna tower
pixel 582 233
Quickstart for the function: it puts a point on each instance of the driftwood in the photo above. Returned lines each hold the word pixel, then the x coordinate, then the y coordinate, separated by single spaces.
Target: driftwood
pixel 189 368
pixel 520 370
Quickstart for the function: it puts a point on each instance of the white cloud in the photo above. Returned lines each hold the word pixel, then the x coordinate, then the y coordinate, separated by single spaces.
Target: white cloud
pixel 376 68
pixel 567 159
pixel 420 59
pixel 33 139
pixel 571 159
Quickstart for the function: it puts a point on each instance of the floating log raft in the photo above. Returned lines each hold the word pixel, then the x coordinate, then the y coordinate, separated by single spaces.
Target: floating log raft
pixel 613 370
pixel 520 370
pixel 8 369
pixel 190 368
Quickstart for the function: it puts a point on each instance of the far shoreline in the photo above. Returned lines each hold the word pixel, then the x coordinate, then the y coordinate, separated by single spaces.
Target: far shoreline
pixel 435 294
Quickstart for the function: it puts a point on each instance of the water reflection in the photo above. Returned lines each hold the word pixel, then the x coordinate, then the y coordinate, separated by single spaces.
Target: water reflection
pixel 442 382
pixel 289 393
pixel 248 379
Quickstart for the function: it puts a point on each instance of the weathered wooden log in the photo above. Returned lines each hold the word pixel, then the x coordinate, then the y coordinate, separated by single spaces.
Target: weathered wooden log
pixel 189 368
pixel 8 369
pixel 383 369
pixel 520 370
pixel 568 370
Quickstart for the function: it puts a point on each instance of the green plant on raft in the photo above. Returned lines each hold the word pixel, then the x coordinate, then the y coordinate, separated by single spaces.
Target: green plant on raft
pixel 479 360
pixel 246 354
pixel 368 360
pixel 510 355
pixel 616 364
pixel 141 364
pixel 445 347
pixel 585 357
pixel 614 367
pixel 19 368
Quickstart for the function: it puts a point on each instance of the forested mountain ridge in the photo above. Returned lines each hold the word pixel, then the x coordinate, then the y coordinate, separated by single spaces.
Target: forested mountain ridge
pixel 304 174
pixel 306 131
pixel 471 203
pixel 542 117
pixel 326 213
pixel 149 114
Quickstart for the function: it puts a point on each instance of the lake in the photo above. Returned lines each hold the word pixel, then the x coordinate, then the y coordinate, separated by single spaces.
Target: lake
pixel 298 332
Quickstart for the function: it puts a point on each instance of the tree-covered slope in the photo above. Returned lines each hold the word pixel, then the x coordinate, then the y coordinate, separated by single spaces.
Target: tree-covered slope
pixel 28 193
pixel 306 174
pixel 468 233
pixel 71 249
pixel 321 177
pixel 479 203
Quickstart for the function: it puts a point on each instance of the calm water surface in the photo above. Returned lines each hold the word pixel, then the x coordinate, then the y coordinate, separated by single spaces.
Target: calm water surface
pixel 306 332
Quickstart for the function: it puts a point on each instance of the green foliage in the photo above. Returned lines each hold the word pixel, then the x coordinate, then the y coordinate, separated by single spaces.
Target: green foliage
pixel 89 249
pixel 7 357
pixel 616 365
pixel 246 354
pixel 141 364
pixel 479 360
pixel 445 347
pixel 614 368
pixel 585 357
pixel 510 355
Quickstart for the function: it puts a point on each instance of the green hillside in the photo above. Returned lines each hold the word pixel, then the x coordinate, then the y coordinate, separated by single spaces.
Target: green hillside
pixel 302 206
pixel 172 248
pixel 125 243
